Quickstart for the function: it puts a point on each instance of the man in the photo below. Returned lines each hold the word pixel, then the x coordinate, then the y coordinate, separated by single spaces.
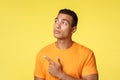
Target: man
pixel 65 59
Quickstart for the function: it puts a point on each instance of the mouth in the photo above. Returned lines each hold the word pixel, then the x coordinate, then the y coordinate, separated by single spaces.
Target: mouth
pixel 57 31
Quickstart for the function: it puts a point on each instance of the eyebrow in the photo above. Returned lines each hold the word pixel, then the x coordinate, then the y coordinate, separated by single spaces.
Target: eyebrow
pixel 64 20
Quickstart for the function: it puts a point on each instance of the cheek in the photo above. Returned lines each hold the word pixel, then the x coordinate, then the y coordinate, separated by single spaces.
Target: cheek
pixel 54 26
pixel 66 31
pixel 65 28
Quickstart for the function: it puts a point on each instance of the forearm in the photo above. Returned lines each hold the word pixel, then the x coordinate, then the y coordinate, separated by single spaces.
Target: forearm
pixel 64 76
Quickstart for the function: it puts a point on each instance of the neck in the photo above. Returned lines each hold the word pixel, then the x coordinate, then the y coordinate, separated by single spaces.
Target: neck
pixel 64 44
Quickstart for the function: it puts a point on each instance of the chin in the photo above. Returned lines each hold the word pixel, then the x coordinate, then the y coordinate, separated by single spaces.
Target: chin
pixel 58 37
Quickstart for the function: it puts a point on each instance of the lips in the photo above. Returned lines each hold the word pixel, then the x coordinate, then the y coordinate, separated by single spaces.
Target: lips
pixel 57 31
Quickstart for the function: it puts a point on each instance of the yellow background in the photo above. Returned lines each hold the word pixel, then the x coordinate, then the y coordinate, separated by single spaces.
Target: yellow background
pixel 26 26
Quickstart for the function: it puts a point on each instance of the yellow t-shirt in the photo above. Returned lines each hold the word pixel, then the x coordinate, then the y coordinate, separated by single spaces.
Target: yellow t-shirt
pixel 77 61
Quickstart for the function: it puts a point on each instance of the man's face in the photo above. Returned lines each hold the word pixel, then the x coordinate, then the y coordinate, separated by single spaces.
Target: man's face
pixel 63 26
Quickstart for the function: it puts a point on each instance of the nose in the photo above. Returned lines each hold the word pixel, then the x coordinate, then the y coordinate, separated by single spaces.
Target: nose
pixel 58 25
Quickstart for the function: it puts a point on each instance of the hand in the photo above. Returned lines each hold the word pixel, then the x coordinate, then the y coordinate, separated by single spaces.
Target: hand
pixel 55 69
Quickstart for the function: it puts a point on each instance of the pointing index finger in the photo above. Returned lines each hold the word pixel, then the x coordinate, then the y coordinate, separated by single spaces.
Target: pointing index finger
pixel 48 59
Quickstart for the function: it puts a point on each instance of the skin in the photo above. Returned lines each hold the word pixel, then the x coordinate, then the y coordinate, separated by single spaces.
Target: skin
pixel 63 31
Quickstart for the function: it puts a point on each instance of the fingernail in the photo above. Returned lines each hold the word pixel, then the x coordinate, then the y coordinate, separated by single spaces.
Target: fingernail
pixel 44 56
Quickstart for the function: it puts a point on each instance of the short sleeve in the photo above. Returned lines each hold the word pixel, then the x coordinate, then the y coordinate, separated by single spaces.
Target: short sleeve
pixel 39 68
pixel 89 66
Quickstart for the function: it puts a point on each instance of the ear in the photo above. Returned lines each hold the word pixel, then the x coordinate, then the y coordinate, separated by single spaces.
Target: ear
pixel 74 29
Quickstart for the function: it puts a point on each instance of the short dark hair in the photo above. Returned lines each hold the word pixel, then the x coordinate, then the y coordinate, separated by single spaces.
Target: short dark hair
pixel 72 14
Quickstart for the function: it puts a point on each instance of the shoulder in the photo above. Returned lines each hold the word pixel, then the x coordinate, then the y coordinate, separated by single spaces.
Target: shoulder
pixel 46 49
pixel 82 47
pixel 85 53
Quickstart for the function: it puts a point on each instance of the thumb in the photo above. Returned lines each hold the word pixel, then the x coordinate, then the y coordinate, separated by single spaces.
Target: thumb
pixel 59 62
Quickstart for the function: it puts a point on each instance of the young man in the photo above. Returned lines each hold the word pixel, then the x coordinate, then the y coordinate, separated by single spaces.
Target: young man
pixel 65 59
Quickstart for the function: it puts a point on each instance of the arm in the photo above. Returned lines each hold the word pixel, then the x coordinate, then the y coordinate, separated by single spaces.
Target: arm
pixel 67 77
pixel 36 78
pixel 64 76
pixel 55 69
pixel 38 72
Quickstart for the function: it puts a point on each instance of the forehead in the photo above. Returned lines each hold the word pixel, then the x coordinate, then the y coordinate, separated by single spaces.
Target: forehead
pixel 64 16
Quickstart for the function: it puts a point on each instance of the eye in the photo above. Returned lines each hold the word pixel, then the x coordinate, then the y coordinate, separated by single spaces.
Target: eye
pixel 64 23
pixel 56 21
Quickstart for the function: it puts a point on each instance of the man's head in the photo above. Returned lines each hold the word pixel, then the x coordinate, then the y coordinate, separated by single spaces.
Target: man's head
pixel 65 24
pixel 72 14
